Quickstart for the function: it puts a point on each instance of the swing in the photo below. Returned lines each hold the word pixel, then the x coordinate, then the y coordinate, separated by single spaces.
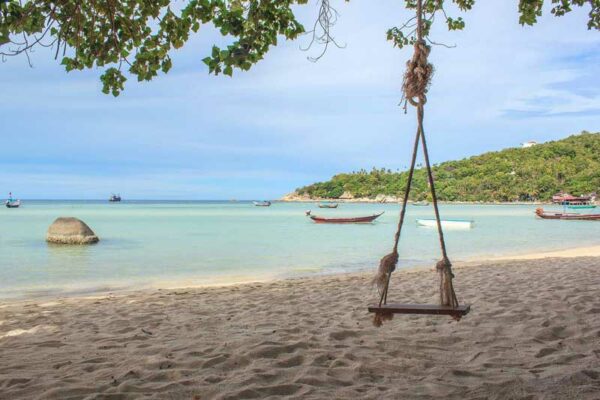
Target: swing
pixel 416 83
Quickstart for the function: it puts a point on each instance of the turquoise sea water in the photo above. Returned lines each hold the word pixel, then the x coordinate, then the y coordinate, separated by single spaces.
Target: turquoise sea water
pixel 194 243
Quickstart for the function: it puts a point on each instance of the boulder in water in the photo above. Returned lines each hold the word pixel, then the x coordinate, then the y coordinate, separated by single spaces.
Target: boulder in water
pixel 68 230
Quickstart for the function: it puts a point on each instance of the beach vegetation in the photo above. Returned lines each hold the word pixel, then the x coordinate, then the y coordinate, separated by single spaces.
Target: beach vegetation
pixel 515 174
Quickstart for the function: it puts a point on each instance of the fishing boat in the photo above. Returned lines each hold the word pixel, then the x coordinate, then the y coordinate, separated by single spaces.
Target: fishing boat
pixel 420 203
pixel 539 212
pixel 114 198
pixel 343 220
pixel 328 205
pixel 447 223
pixel 262 203
pixel 12 203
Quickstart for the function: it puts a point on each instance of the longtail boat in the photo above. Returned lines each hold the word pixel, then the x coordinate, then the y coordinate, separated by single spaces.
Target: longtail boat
pixel 265 203
pixel 328 205
pixel 568 216
pixel 343 220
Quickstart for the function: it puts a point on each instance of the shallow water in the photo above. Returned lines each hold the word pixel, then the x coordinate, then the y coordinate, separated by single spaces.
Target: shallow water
pixel 194 243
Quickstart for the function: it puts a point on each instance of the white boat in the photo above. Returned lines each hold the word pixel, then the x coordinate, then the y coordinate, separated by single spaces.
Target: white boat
pixel 12 203
pixel 447 223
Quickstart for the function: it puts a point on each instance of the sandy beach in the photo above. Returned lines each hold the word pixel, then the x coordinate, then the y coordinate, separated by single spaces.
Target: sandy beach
pixel 533 332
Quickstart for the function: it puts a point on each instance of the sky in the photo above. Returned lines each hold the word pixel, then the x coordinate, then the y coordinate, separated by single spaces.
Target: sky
pixel 289 122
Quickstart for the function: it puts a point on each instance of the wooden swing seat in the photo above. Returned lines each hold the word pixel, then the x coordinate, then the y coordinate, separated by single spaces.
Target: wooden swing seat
pixel 426 309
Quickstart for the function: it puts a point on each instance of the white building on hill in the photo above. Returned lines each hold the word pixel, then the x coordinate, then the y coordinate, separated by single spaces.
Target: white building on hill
pixel 530 143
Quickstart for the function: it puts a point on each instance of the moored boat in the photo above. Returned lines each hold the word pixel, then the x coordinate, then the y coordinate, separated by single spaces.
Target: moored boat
pixel 328 205
pixel 568 200
pixel 12 203
pixel 420 203
pixel 343 220
pixel 539 212
pixel 115 198
pixel 581 206
pixel 262 203
pixel 447 223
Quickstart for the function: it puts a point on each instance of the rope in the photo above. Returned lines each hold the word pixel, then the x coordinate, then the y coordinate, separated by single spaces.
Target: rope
pixel 417 79
pixel 387 264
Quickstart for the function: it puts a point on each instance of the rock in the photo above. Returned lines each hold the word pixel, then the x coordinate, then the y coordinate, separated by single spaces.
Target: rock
pixel 382 198
pixel 68 230
pixel 295 196
pixel 347 196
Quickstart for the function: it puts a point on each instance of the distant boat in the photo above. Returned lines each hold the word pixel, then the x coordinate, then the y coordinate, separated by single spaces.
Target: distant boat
pixel 328 205
pixel 566 216
pixel 421 203
pixel 12 203
pixel 343 220
pixel 580 206
pixel 447 223
pixel 567 199
pixel 115 198
pixel 262 203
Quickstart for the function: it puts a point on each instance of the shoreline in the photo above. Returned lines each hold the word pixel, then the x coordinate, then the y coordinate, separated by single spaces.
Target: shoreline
pixel 363 200
pixel 532 333
pixel 568 252
pixel 80 292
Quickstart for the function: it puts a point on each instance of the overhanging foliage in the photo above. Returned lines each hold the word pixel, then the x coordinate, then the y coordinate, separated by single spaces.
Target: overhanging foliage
pixel 140 35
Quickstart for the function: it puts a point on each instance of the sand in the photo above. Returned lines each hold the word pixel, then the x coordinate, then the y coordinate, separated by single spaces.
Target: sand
pixel 533 333
pixel 588 251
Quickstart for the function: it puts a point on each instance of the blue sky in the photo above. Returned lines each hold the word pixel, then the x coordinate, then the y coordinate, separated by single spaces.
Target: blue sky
pixel 289 122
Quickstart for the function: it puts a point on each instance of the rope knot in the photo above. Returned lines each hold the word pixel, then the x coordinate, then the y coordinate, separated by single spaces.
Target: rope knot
pixel 387 265
pixel 379 317
pixel 418 75
pixel 447 295
pixel 444 265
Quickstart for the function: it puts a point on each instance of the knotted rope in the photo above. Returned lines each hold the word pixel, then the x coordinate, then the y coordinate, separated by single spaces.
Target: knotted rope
pixel 418 75
pixel 447 295
pixel 417 79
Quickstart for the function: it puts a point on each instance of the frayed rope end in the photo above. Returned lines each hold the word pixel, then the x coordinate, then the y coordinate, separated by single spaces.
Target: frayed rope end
pixel 379 317
pixel 387 265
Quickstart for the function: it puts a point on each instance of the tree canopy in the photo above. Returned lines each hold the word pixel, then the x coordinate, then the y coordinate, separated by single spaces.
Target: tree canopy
pixel 516 174
pixel 138 36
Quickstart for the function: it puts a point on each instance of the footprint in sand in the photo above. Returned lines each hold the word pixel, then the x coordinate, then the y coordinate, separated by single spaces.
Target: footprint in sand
pixel 545 352
pixel 341 335
pixel 215 361
pixel 291 362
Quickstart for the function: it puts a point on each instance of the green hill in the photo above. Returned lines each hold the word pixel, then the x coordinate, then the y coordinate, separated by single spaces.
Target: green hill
pixel 515 174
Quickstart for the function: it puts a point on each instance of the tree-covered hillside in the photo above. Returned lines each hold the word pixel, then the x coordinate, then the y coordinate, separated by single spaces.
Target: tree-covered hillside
pixel 516 174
